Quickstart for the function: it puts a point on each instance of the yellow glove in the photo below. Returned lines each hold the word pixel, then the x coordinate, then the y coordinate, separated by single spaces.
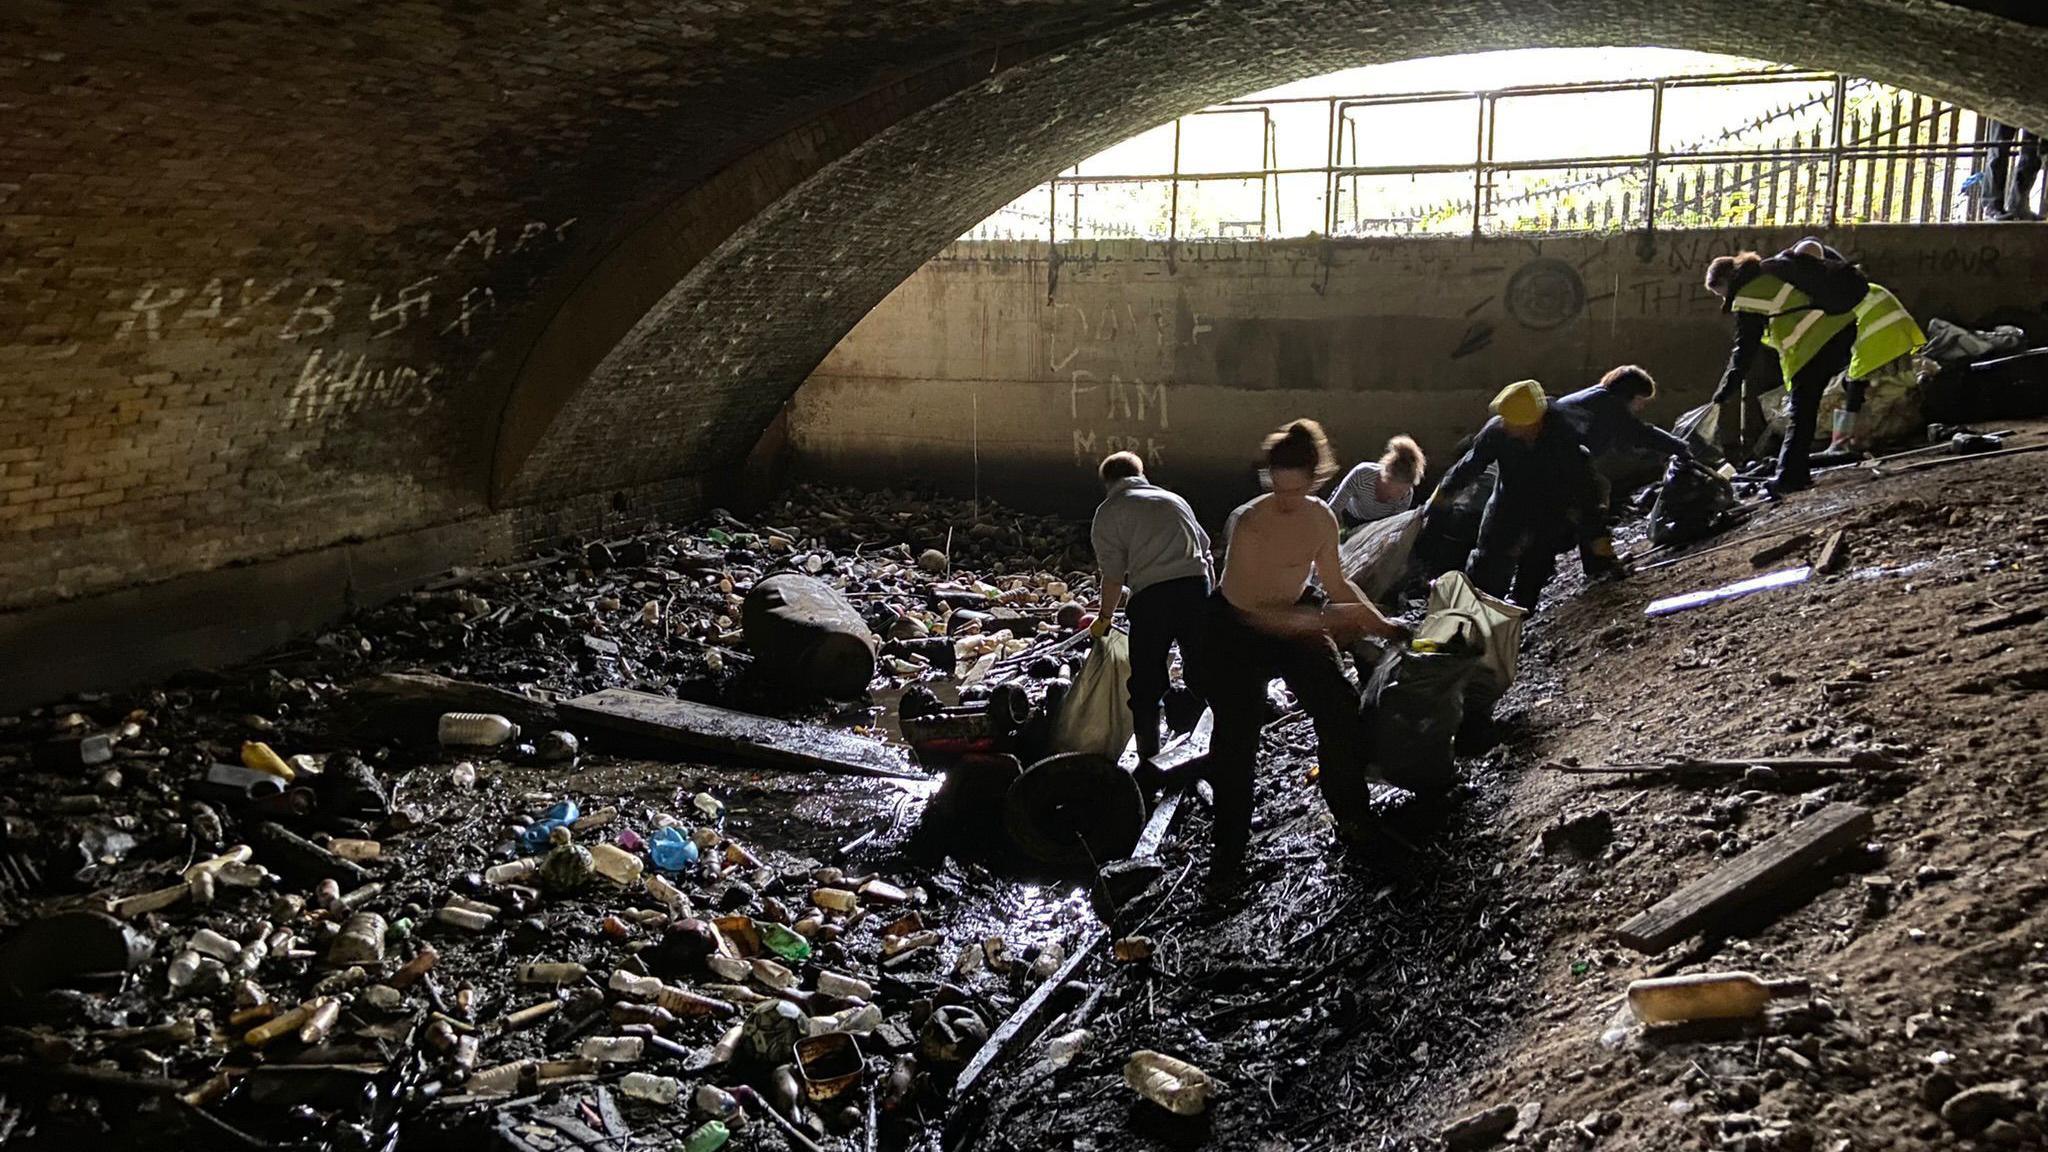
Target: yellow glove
pixel 1100 628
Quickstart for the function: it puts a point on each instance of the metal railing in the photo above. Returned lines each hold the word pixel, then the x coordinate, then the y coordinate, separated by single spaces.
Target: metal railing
pixel 1837 150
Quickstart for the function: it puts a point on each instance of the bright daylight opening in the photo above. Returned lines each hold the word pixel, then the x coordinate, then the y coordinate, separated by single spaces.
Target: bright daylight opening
pixel 1537 140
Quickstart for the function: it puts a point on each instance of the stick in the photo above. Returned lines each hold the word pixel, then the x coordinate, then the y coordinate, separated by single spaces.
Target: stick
pixel 1833 553
pixel 992 1051
pixel 1904 468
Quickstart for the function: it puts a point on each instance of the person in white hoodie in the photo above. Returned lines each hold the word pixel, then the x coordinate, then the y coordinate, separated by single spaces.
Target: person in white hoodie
pixel 1147 539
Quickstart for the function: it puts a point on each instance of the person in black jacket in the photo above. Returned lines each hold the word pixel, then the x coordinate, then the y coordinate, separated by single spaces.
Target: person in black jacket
pixel 1609 415
pixel 1545 499
pixel 1835 286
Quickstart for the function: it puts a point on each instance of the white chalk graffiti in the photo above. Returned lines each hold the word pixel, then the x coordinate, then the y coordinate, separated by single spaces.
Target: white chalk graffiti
pixel 1107 426
pixel 334 384
pixel 301 307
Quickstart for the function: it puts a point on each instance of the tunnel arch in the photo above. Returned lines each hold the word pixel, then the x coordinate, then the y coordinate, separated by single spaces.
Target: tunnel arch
pixel 691 383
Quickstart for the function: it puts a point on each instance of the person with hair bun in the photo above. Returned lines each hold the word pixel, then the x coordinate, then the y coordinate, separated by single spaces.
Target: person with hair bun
pixel 1260 628
pixel 1376 490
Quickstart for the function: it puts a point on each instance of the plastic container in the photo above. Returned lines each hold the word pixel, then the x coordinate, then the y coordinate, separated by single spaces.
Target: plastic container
pixel 613 1049
pixel 1175 1085
pixel 709 1137
pixel 360 941
pixel 551 973
pixel 535 837
pixel 708 806
pixel 615 864
pixel 773 975
pixel 673 850
pixel 1707 996
pixel 662 1090
pixel 715 1103
pixel 207 942
pixel 476 729
pixel 834 899
pixel 512 871
pixel 835 984
pixel 783 942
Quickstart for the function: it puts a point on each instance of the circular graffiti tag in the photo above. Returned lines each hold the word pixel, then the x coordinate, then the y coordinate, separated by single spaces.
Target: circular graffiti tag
pixel 1545 293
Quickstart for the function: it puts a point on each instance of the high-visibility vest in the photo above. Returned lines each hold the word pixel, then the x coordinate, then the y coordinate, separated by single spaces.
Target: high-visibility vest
pixel 1797 329
pixel 1885 331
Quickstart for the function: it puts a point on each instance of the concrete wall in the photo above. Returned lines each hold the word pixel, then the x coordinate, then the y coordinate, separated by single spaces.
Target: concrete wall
pixel 997 364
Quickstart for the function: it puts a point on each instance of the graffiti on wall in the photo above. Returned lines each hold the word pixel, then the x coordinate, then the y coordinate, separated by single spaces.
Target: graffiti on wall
pixel 1109 412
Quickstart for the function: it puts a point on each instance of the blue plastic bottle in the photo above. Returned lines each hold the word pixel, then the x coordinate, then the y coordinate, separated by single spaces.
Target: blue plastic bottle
pixel 672 850
pixel 535 838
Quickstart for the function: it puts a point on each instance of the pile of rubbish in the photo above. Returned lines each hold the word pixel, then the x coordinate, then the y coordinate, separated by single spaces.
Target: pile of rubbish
pixel 282 907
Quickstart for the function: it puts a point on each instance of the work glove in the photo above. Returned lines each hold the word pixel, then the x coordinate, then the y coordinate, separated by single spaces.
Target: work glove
pixel 1100 628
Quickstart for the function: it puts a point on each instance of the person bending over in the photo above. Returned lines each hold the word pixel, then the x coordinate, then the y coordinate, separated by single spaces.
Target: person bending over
pixel 1378 489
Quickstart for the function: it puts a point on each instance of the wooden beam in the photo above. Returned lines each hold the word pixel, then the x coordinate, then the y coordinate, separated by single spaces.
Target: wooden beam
pixel 1833 554
pixel 1747 878
pixel 760 741
pixel 1006 1034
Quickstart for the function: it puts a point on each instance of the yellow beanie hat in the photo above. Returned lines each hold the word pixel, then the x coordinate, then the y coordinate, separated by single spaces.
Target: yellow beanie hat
pixel 1521 403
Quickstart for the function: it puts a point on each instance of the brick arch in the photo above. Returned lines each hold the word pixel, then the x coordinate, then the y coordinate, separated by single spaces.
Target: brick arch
pixel 699 375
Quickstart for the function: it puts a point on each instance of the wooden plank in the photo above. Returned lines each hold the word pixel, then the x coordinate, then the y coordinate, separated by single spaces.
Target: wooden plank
pixel 1754 874
pixel 1833 553
pixel 1006 1034
pixel 760 741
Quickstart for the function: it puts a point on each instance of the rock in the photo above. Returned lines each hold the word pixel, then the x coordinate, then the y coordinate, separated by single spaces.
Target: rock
pixel 1938 1086
pixel 1527 1117
pixel 933 561
pixel 556 747
pixel 1481 1129
pixel 1585 835
pixel 1973 1109
pixel 2004 1133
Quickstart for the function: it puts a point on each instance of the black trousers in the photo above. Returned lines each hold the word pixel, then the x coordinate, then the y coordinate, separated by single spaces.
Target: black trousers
pixel 1241 660
pixel 1162 615
pixel 1804 406
pixel 1519 539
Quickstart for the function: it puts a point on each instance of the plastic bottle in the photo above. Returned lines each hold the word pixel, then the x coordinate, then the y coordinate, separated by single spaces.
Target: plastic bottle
pixel 360 941
pixel 773 975
pixel 1175 1085
pixel 715 1103
pixel 709 1137
pixel 835 984
pixel 662 1090
pixel 184 970
pixel 512 871
pixel 537 835
pixel 477 729
pixel 615 864
pixel 673 850
pixel 260 757
pixel 1707 996
pixel 708 806
pixel 834 899
pixel 547 973
pixel 1061 1050
pixel 783 942
pixel 860 1020
pixel 670 896
pixel 207 942
pixel 612 1049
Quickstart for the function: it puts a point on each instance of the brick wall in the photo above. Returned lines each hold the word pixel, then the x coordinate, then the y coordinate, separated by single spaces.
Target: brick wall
pixel 275 274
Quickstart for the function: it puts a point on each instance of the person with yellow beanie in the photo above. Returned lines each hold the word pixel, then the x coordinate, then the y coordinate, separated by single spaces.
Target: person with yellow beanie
pixel 1546 496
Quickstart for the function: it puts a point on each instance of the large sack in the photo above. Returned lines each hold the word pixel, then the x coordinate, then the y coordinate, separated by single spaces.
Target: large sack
pixel 1463 657
pixel 1095 715
pixel 1460 618
pixel 1376 556
pixel 804 634
pixel 1690 504
pixel 1415 704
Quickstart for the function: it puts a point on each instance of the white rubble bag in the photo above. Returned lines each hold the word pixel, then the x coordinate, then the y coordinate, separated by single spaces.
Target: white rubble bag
pixel 1891 406
pixel 1461 618
pixel 1095 715
pixel 1376 556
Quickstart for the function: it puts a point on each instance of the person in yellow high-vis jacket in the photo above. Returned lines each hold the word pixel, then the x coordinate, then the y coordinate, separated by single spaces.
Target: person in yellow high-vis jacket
pixel 1823 318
